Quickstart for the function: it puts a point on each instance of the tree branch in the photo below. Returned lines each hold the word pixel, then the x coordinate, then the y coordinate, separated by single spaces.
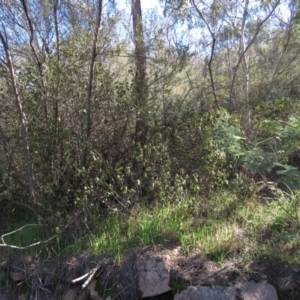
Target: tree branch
pixel 25 247
pixel 90 276
pixel 248 46
pixel 216 105
pixel 91 78
pixel 39 64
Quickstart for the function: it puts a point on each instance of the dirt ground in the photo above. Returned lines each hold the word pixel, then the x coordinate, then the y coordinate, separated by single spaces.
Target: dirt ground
pixel 52 278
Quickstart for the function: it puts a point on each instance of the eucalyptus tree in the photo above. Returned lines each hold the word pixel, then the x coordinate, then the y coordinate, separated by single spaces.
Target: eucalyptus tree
pixel 234 27
pixel 140 93
pixel 91 76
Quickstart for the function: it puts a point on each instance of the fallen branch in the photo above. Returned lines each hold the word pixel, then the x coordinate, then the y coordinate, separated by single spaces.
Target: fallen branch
pixel 28 246
pixel 90 276
pixel 82 277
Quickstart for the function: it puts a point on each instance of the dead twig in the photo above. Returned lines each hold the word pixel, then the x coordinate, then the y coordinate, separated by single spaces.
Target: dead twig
pixel 90 276
pixel 28 246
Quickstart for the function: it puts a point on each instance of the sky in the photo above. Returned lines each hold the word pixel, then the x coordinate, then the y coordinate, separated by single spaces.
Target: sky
pixel 146 4
pixel 195 34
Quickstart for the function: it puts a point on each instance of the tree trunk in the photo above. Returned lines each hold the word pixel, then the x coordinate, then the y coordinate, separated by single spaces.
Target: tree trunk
pixel 245 106
pixel 22 116
pixel 215 103
pixel 141 90
pixel 90 83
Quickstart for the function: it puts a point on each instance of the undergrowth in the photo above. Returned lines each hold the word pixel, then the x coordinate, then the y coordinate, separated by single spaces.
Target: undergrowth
pixel 231 227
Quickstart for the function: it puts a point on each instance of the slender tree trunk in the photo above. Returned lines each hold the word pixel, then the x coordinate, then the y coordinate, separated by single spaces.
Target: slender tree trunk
pixel 210 62
pixel 246 105
pixel 246 108
pixel 90 82
pixel 55 7
pixel 22 116
pixel 141 88
pixel 32 39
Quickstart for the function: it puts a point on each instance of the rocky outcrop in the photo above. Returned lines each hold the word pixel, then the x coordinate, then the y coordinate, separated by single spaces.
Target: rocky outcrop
pixel 246 291
pixel 153 276
pixel 153 282
pixel 149 275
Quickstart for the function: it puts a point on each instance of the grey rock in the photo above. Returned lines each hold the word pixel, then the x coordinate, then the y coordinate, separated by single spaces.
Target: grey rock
pixel 241 291
pixel 17 276
pixel 70 295
pixel 153 277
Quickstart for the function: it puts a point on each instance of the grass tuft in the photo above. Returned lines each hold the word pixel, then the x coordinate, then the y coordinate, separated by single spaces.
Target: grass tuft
pixel 253 229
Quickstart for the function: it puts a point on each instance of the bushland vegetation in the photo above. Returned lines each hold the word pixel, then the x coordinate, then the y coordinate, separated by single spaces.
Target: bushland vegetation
pixel 125 127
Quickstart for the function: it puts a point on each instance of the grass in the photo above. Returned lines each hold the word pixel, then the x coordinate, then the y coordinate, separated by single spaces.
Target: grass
pixel 244 228
pixel 232 227
pixel 248 229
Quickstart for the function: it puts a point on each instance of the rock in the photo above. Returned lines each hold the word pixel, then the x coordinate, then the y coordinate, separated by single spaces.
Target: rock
pixel 291 281
pixel 17 276
pixel 83 295
pixel 70 295
pixel 243 291
pixel 202 293
pixel 287 284
pixel 23 296
pixel 93 293
pixel 153 276
pixel 261 290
